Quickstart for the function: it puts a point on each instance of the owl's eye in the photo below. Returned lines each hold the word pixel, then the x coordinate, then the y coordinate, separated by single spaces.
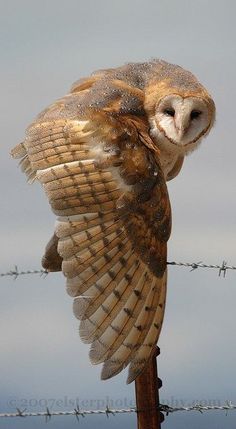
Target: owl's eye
pixel 195 114
pixel 169 112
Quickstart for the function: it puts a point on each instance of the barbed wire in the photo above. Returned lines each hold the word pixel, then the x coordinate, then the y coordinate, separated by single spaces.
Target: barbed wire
pixel 16 273
pixel 194 265
pixel 222 269
pixel 75 412
pixel 198 407
pixel 229 406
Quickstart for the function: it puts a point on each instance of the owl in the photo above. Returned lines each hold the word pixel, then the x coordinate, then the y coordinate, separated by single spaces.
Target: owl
pixel 103 154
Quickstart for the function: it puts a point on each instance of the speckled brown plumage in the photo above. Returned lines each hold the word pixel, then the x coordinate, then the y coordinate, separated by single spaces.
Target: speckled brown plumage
pixel 101 171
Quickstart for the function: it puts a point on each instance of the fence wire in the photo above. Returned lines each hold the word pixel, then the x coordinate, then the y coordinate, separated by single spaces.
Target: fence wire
pixel 229 406
pixel 222 269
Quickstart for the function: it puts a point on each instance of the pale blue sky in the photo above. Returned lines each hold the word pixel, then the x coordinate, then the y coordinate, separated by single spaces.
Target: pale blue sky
pixel 45 46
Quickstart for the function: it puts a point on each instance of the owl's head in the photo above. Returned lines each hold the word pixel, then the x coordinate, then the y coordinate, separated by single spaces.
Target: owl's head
pixel 180 119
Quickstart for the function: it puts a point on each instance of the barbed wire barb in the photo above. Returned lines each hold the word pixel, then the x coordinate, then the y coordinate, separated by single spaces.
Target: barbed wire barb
pixel 78 413
pixel 47 415
pixel 20 413
pixel 223 268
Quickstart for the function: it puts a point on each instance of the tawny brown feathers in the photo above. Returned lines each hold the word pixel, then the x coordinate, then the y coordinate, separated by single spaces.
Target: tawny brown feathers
pixel 101 172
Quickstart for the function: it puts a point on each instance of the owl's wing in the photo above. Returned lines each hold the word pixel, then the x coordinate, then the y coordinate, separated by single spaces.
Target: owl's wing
pixel 104 182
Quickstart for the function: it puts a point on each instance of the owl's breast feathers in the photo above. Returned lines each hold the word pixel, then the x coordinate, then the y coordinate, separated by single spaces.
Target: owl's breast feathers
pixel 100 169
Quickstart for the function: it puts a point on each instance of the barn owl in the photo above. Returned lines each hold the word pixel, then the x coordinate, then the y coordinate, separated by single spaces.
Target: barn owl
pixel 103 154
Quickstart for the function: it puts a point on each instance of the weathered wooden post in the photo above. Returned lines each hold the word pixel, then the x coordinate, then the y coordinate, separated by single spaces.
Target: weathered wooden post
pixel 147 396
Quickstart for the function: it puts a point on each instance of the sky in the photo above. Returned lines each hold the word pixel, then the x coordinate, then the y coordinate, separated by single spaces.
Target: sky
pixel 45 47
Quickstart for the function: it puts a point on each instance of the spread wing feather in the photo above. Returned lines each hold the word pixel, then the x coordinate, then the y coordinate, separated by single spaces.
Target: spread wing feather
pixel 102 176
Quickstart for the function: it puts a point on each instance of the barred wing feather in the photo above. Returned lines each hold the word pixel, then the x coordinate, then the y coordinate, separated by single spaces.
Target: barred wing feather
pixel 103 180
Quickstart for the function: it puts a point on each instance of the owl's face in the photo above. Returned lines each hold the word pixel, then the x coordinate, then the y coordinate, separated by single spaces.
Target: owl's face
pixel 181 121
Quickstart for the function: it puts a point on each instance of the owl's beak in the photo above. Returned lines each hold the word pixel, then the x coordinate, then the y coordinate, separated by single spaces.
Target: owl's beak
pixel 180 132
pixel 181 124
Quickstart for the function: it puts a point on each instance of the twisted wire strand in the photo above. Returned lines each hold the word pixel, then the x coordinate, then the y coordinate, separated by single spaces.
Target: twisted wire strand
pixel 16 273
pixel 193 265
pixel 229 406
pixel 198 407
pixel 75 412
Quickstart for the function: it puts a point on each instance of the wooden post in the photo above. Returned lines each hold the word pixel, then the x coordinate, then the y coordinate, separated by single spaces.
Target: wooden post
pixel 147 396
